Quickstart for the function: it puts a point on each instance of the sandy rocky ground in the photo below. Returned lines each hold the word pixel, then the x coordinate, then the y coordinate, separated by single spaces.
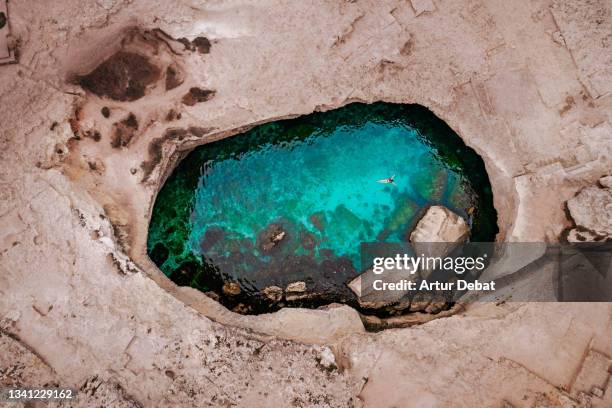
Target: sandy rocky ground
pixel 527 84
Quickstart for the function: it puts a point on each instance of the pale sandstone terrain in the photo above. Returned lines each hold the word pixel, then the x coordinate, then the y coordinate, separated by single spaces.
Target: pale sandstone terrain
pixel 528 85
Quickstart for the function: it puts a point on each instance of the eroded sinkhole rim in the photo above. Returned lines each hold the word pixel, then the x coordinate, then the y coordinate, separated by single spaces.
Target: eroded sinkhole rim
pixel 428 119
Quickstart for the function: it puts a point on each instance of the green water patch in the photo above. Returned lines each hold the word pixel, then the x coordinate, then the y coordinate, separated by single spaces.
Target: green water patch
pixel 291 201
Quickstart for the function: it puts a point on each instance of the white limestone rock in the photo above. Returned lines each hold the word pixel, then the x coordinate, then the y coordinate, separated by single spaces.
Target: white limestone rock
pixel 439 224
pixel 591 210
pixel 327 359
pixel 606 181
pixel 438 233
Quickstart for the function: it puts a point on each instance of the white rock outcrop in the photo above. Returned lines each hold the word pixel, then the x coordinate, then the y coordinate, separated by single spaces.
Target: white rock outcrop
pixel 591 210
pixel 438 233
pixel 439 224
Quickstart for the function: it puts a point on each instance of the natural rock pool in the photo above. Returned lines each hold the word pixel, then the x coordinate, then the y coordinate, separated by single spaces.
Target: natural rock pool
pixel 291 201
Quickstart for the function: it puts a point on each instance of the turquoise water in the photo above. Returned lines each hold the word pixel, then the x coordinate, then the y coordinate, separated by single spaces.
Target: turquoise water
pixel 330 175
pixel 315 179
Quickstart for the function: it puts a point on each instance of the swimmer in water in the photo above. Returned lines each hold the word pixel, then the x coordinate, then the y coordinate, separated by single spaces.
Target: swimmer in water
pixel 390 180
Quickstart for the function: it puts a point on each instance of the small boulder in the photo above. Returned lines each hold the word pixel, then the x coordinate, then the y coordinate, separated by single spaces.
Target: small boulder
pixel 296 287
pixel 273 293
pixel 231 289
pixel 296 291
pixel 318 220
pixel 241 308
pixel 278 237
pixel 271 237
pixel 327 359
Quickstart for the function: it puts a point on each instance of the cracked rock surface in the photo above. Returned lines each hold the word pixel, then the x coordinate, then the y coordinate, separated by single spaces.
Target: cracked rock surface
pixel 591 210
pixel 82 306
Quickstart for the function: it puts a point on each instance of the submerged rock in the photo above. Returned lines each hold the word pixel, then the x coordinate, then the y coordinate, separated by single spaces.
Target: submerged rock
pixel 231 289
pixel 318 220
pixel 159 253
pixel 308 240
pixel 591 210
pixel 212 237
pixel 271 237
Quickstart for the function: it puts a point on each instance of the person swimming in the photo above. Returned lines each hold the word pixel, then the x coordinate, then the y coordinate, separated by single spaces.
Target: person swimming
pixel 390 180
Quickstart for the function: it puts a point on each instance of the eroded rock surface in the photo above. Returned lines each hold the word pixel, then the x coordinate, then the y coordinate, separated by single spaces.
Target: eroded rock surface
pixel 197 95
pixel 123 77
pixel 439 224
pixel 542 135
pixel 591 210
pixel 370 298
pixel 437 233
pixel 271 237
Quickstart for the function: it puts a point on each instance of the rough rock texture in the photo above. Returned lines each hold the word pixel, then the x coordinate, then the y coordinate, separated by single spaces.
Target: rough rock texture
pixel 437 233
pixel 439 224
pixel 606 181
pixel 270 238
pixel 7 53
pixel 591 210
pixel 123 77
pixel 363 287
pixel 527 87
